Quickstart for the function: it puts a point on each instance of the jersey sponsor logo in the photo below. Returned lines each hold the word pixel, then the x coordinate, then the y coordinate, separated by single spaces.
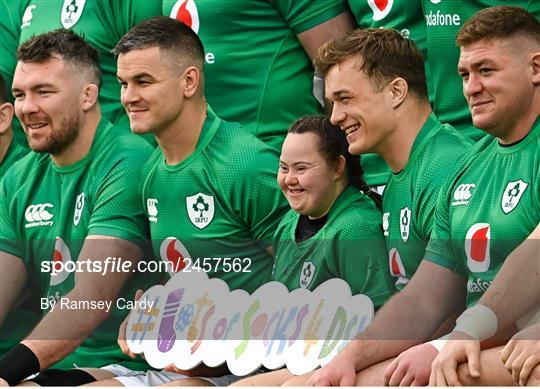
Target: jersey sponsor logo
pixel 477 243
pixel 37 215
pixel 396 267
pixel 174 252
pixel 71 12
pixel 477 285
pixel 380 8
pixel 462 194
pixel 28 16
pixel 307 273
pixel 439 19
pixel 512 194
pixel 186 12
pixel 151 207
pixel 200 209
pixel 79 206
pixel 405 223
pixel 61 256
pixel 385 222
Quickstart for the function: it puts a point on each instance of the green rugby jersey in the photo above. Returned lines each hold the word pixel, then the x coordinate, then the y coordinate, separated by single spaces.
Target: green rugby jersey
pixel 444 18
pixel 491 206
pixel 221 202
pixel 101 22
pixel 47 211
pixel 21 320
pixel 257 72
pixel 14 153
pixel 349 246
pixel 410 196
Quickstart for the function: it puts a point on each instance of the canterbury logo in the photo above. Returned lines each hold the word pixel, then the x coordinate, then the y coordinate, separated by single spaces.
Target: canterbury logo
pixel 38 215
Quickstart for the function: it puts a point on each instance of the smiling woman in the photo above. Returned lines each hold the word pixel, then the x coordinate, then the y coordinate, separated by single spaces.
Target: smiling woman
pixel 334 227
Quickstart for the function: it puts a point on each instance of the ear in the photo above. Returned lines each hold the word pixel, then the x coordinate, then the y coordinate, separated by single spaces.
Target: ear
pixel 398 89
pixel 340 167
pixel 535 65
pixel 6 117
pixel 89 96
pixel 192 80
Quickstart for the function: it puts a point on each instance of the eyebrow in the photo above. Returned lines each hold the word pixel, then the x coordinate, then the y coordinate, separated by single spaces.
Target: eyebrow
pixel 34 87
pixel 137 76
pixel 478 64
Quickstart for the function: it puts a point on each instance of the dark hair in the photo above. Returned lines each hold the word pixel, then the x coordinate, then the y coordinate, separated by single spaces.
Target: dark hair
pixel 3 91
pixel 499 22
pixel 384 54
pixel 166 33
pixel 332 144
pixel 66 44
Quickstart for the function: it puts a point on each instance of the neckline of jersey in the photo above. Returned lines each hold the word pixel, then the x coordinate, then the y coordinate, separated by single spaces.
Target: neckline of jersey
pixel 210 126
pixel 345 198
pixel 429 128
pixel 103 127
pixel 515 147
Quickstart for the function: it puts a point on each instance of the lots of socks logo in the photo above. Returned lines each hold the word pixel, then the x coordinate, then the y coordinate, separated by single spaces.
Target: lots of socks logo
pixel 195 319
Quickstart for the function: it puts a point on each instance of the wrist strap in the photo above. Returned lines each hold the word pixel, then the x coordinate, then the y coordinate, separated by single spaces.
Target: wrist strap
pixel 478 321
pixel 18 364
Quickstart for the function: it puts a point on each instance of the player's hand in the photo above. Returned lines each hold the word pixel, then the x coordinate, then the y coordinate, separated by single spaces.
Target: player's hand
pixel 340 371
pixel 3 382
pixel 412 367
pixel 122 330
pixel 521 355
pixel 200 370
pixel 459 348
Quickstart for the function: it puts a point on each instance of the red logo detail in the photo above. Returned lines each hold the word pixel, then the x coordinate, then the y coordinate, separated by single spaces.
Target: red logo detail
pixel 174 256
pixel 381 4
pixel 395 266
pixel 57 260
pixel 183 15
pixel 479 244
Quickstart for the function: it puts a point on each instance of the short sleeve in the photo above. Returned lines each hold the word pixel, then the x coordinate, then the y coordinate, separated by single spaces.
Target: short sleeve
pixel 302 15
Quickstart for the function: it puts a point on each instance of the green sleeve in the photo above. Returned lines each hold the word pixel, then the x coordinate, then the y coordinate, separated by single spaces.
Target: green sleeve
pixel 8 234
pixel 117 205
pixel 302 15
pixel 440 249
pixel 360 256
pixel 257 196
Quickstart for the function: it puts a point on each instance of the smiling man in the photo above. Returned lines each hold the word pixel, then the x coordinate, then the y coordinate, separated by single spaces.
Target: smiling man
pixel 74 196
pixel 486 210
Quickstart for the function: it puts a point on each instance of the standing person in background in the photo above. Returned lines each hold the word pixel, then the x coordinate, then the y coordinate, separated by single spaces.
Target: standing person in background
pixel 333 229
pixel 258 57
pixel 101 22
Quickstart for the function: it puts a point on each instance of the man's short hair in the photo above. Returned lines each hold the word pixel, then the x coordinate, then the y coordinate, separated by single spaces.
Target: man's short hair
pixel 384 54
pixel 72 48
pixel 168 35
pixel 3 91
pixel 499 22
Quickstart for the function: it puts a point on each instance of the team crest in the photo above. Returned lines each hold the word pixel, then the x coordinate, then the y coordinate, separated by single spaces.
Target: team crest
pixel 200 209
pixel 27 17
pixel 512 194
pixel 71 12
pixel 307 273
pixel 405 223
pixel 79 205
pixel 380 8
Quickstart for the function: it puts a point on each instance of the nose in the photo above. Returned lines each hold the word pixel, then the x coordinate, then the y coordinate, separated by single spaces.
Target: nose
pixel 472 85
pixel 290 178
pixel 337 116
pixel 129 95
pixel 26 106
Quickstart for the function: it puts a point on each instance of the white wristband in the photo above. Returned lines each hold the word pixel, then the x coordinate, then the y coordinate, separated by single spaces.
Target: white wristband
pixel 439 343
pixel 478 321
